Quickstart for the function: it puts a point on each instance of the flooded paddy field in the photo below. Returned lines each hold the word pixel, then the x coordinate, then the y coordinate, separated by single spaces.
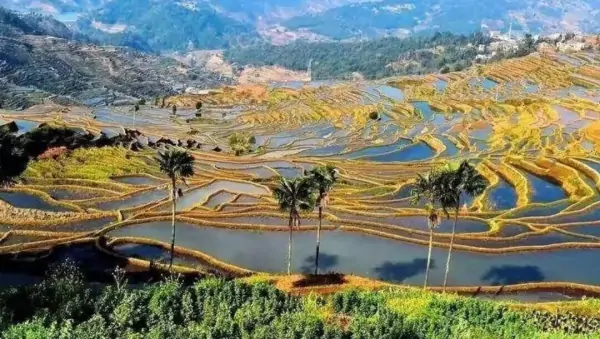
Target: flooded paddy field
pixel 528 128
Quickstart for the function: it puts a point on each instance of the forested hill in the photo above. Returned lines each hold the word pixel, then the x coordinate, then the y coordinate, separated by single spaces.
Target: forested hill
pixel 372 59
pixel 165 25
pixel 12 24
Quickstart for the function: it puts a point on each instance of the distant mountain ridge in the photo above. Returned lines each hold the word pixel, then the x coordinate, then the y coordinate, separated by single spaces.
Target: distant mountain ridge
pixel 40 61
pixel 168 25
pixel 162 25
pixel 398 17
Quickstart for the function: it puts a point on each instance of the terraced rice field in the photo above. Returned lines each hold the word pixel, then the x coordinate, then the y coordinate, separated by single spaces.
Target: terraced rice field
pixel 530 125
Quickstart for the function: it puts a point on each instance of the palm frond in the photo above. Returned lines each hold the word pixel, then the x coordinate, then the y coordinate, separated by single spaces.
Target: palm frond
pixel 295 195
pixel 322 179
pixel 176 163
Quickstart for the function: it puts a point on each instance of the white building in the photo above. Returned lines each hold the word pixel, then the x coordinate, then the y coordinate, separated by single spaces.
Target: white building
pixel 570 46
pixel 504 46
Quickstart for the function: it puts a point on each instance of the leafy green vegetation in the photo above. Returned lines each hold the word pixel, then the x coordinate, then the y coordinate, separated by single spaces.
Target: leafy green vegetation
pixel 63 306
pixel 373 59
pixel 241 143
pixel 374 115
pixel 89 163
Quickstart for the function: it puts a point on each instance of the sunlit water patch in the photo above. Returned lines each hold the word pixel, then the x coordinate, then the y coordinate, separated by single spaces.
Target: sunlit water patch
pixel 82 193
pixel 509 230
pixel 136 199
pixel 541 210
pixel 233 166
pixel 414 152
pixel 440 85
pixel 592 214
pixel 199 195
pixel 451 149
pixel 593 164
pixel 376 150
pixel 387 260
pixel 289 172
pixel 323 151
pixel 593 229
pixel 26 126
pixel 77 226
pixel 219 199
pixel 139 180
pixel 419 222
pixel 25 200
pixel 566 116
pixel 155 254
pixel 543 190
pixel 426 111
pixel 502 197
pixel 391 92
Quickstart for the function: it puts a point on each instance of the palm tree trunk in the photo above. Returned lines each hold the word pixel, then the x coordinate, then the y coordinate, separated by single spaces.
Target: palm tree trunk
pixel 318 240
pixel 450 249
pixel 428 257
pixel 173 209
pixel 289 264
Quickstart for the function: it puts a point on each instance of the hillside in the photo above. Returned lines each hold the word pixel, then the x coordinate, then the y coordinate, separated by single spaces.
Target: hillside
pixel 372 59
pixel 393 17
pixel 165 25
pixel 36 62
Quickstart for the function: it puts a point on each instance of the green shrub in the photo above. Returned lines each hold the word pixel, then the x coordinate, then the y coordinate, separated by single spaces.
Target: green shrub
pixel 63 306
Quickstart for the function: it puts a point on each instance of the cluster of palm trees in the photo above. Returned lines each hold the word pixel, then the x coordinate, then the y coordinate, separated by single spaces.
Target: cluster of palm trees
pixel 294 196
pixel 443 189
pixel 302 194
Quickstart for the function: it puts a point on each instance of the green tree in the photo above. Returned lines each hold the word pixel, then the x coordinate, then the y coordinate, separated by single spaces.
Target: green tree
pixel 426 188
pixel 177 164
pixel 322 178
pixel 13 158
pixel 240 143
pixel 294 196
pixel 456 180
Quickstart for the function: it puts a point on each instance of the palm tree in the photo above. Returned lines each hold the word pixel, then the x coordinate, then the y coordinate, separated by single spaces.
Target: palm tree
pixel 426 188
pixel 177 164
pixel 322 179
pixel 294 196
pixel 456 180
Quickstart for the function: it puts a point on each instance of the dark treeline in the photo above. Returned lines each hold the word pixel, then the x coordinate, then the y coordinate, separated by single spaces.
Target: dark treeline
pixel 373 59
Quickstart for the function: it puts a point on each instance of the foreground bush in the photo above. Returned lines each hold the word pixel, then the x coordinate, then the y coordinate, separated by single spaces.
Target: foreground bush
pixel 63 306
